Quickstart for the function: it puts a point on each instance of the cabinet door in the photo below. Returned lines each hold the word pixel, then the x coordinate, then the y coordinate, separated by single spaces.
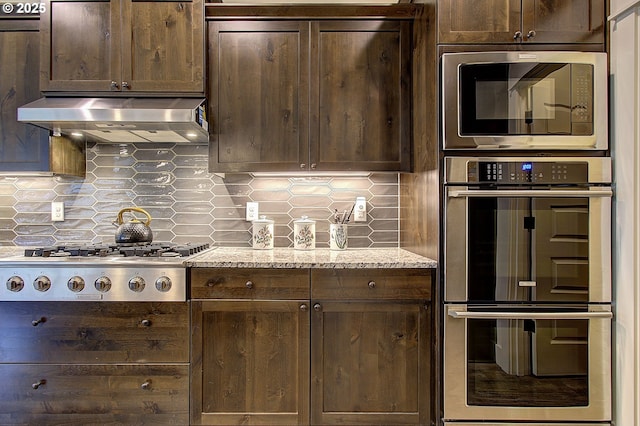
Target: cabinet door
pixel 258 96
pixel 83 394
pixel 250 362
pixel 370 363
pixel 163 46
pixel 360 73
pixel 23 147
pixel 563 21
pixel 80 46
pixel 478 21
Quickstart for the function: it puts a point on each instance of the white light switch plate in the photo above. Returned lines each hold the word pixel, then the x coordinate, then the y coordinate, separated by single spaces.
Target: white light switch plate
pixel 360 210
pixel 57 211
pixel 252 211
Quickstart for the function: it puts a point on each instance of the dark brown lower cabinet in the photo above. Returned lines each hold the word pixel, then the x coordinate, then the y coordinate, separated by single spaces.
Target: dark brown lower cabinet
pixel 357 351
pixel 80 363
pixel 82 394
pixel 370 363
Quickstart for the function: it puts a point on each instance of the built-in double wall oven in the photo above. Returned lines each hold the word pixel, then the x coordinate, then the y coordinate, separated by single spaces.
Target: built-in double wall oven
pixel 527 289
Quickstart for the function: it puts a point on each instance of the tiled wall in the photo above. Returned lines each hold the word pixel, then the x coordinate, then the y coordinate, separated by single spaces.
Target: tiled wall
pixel 187 203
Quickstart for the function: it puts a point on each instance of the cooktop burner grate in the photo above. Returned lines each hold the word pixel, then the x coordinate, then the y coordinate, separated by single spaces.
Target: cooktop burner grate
pixel 161 249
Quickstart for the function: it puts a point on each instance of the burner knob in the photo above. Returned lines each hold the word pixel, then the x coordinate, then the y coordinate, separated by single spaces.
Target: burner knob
pixel 136 284
pixel 15 283
pixel 163 284
pixel 103 284
pixel 75 284
pixel 42 283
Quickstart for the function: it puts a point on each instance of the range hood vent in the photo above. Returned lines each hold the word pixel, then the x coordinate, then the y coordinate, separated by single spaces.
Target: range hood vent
pixel 121 120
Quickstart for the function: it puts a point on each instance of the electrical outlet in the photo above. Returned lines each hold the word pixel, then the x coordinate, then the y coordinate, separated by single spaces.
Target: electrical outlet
pixel 360 210
pixel 252 211
pixel 57 211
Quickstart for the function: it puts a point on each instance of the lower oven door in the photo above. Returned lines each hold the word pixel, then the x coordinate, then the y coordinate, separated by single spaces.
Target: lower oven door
pixel 526 364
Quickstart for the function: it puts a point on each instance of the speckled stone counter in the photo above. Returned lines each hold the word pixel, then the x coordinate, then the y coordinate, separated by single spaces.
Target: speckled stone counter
pixel 10 251
pixel 230 257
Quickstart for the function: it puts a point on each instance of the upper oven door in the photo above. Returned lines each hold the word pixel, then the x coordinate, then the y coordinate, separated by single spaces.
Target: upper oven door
pixel 509 245
pixel 524 100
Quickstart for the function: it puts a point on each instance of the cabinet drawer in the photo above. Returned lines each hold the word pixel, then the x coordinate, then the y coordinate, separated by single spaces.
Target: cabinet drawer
pixel 371 284
pixel 249 283
pixel 94 394
pixel 94 332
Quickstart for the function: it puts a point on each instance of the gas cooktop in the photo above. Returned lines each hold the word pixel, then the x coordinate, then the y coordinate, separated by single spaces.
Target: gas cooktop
pixel 151 272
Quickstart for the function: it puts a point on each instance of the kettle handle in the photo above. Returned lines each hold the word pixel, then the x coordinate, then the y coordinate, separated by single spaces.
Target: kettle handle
pixel 120 220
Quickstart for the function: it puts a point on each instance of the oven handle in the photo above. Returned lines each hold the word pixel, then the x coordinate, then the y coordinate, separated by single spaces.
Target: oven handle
pixel 454 313
pixel 531 193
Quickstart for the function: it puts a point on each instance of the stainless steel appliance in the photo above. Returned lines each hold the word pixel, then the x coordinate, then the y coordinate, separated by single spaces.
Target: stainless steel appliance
pixel 151 272
pixel 527 289
pixel 524 100
pixel 121 119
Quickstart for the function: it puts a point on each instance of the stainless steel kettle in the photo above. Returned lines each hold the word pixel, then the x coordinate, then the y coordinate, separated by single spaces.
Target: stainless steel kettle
pixel 133 231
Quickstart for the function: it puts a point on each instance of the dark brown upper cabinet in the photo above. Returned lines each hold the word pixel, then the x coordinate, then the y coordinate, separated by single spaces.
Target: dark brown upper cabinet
pixel 298 95
pixel 122 46
pixel 521 21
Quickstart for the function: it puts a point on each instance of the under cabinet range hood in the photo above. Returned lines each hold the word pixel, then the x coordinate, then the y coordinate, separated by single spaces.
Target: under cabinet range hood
pixel 121 120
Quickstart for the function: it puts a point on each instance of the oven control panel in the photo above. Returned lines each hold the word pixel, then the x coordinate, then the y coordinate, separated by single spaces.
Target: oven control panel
pixel 93 283
pixel 527 172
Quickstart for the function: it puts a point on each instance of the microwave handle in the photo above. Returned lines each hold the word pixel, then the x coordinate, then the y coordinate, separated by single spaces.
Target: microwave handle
pixel 530 193
pixel 454 313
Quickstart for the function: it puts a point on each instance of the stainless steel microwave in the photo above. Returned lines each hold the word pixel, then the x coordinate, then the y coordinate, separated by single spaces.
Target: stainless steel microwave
pixel 524 100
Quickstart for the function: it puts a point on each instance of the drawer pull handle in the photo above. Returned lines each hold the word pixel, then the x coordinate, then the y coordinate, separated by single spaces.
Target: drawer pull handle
pixel 317 307
pixel 35 323
pixel 39 383
pixel 372 284
pixel 146 385
pixel 249 284
pixel 145 323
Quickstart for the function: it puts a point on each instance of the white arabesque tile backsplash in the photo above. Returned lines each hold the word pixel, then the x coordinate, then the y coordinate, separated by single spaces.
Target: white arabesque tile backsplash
pixel 187 203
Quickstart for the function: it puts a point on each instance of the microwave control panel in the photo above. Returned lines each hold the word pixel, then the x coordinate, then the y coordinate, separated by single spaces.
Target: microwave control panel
pixel 527 172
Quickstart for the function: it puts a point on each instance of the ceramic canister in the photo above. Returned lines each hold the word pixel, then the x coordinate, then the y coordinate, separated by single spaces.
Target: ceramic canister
pixel 304 234
pixel 262 233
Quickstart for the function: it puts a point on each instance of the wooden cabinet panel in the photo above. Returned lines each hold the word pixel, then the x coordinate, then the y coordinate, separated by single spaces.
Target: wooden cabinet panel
pixel 340 284
pixel 122 46
pixel 258 95
pixel 480 21
pixel 310 95
pixel 361 102
pixel 250 362
pixel 249 283
pixel 370 363
pixel 94 332
pixel 562 21
pixel 536 21
pixel 94 394
pixel 80 45
pixel 23 147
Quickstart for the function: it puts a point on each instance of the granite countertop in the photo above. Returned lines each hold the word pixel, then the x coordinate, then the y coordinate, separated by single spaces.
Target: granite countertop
pixel 234 257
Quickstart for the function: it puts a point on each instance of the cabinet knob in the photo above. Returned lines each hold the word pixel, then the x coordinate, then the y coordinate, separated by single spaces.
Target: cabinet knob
pixel 304 307
pixel 125 85
pixel 313 166
pixel 39 383
pixel 36 322
pixel 317 307
pixel 146 385
pixel 145 323
pixel 372 284
pixel 517 35
pixel 249 284
pixel 114 85
pixel 303 165
pixel 531 34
